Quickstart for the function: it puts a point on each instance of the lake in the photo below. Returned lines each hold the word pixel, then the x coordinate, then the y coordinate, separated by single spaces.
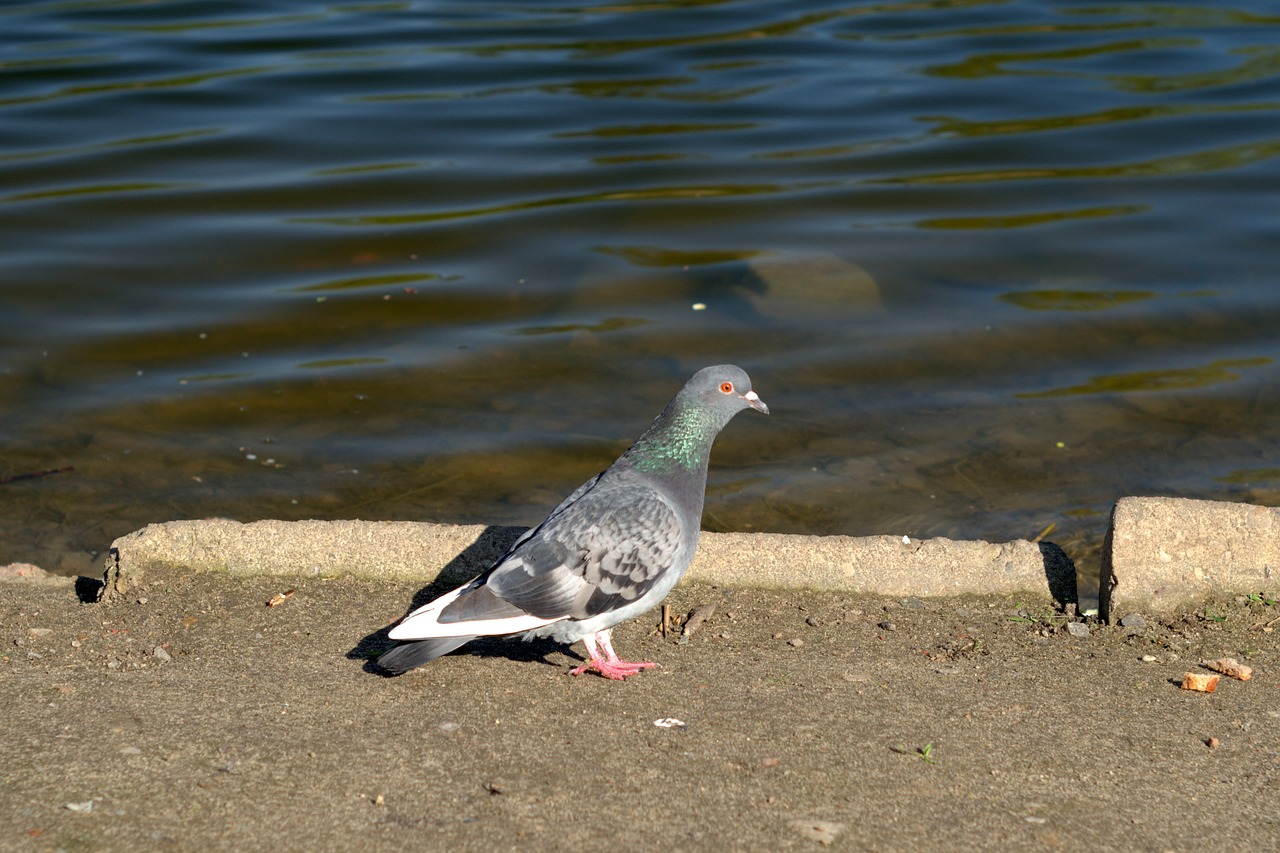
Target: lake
pixel 991 264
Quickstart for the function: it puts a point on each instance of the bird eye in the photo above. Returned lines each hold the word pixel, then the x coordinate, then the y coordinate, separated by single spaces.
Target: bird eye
pixel 726 387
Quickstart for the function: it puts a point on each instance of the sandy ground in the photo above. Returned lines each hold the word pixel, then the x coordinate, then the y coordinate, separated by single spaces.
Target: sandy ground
pixel 808 719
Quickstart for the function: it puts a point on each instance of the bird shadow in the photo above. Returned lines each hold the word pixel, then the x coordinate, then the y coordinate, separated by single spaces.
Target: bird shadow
pixel 489 546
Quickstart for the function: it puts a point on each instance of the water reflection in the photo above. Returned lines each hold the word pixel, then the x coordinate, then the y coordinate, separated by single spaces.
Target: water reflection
pixel 372 281
pixel 655 256
pixel 994 264
pixel 1074 300
pixel 1158 380
pixel 1024 220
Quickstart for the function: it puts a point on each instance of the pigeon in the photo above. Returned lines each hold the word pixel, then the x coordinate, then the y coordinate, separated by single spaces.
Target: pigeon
pixel 610 551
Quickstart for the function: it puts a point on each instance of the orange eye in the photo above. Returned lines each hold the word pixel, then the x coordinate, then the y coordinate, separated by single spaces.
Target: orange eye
pixel 726 387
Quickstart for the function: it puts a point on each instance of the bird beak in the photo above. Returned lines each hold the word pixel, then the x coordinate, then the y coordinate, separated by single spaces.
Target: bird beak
pixel 755 402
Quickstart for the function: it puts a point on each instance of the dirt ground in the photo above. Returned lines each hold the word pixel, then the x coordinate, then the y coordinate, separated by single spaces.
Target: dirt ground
pixel 193 717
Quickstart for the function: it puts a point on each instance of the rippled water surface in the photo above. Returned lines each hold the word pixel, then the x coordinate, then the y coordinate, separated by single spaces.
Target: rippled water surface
pixel 992 264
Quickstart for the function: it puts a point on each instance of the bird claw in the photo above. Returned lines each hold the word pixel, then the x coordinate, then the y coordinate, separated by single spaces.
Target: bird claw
pixel 603 659
pixel 615 670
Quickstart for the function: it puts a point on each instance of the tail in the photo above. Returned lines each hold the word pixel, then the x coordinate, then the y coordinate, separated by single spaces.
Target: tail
pixel 406 656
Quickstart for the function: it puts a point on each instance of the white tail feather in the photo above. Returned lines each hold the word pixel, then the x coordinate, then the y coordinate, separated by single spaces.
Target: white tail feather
pixel 423 624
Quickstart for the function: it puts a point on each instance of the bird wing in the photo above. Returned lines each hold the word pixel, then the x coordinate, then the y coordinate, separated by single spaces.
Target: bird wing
pixel 604 550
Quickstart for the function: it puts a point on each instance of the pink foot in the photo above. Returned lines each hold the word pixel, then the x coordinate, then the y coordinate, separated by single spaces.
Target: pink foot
pixel 605 661
pixel 616 670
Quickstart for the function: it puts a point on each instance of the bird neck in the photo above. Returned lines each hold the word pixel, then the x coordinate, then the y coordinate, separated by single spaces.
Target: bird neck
pixel 678 439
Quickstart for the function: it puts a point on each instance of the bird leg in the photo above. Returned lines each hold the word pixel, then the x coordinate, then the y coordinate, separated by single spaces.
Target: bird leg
pixel 607 664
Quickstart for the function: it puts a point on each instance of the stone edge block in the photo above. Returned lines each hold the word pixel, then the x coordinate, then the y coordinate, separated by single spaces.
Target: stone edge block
pixel 1163 553
pixel 403 550
pixel 27 573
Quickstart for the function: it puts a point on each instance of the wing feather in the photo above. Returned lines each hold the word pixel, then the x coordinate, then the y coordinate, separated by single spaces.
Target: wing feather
pixel 604 550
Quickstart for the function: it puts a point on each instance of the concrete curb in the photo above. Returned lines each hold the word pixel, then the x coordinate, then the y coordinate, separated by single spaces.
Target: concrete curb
pixel 1164 553
pixel 402 550
pixel 1159 554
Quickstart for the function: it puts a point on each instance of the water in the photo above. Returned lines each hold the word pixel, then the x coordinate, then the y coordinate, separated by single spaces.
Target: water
pixel 991 264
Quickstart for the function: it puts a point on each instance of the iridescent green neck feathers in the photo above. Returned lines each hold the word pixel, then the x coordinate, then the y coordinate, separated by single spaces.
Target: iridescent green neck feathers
pixel 681 437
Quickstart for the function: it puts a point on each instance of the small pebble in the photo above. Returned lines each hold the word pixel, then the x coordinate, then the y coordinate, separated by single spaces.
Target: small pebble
pixel 1212 742
pixel 824 832
pixel 796 642
pixel 1149 658
pixel 449 727
pixel 1133 620
pixel 1077 629
pixel 160 654
pixel 131 750
pixel 22 570
pixel 886 626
